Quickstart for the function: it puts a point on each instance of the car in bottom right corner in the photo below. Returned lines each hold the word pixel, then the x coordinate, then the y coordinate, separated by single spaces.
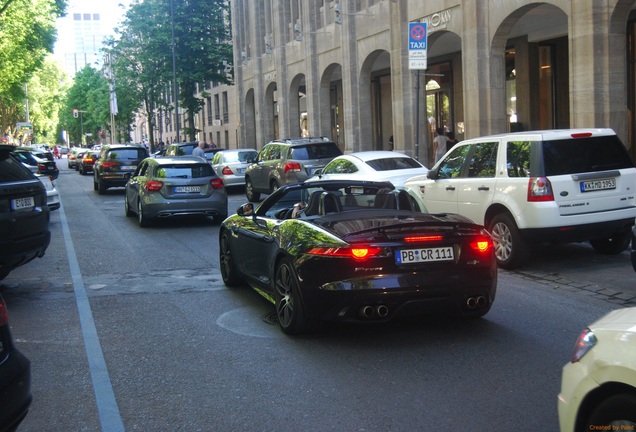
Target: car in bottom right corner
pixel 598 385
pixel 537 187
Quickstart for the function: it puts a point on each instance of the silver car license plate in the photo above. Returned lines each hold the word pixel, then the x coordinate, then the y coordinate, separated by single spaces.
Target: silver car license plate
pixel 26 203
pixel 187 189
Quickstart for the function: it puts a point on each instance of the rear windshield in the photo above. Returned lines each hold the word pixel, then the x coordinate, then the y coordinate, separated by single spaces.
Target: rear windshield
pixel 315 151
pixel 396 163
pixel 582 155
pixel 241 156
pixel 184 171
pixel 126 153
pixel 11 169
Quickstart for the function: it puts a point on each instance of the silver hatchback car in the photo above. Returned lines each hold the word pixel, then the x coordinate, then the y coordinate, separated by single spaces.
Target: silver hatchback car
pixel 175 186
pixel 230 165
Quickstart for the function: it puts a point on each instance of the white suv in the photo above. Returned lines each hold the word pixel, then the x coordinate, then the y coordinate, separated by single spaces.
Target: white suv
pixel 553 186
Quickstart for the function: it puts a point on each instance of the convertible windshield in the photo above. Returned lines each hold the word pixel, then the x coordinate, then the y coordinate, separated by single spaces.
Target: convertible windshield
pixel 329 199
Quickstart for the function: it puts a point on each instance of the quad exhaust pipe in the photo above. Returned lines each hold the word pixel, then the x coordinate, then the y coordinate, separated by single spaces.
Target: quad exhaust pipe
pixel 476 302
pixel 369 312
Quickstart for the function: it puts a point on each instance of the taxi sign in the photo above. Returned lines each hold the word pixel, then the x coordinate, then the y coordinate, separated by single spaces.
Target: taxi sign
pixel 417 45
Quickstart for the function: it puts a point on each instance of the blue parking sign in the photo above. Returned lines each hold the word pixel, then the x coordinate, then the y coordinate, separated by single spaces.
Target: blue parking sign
pixel 417 36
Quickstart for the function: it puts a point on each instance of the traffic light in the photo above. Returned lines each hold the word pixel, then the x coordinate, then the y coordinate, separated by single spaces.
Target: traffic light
pixel 75 113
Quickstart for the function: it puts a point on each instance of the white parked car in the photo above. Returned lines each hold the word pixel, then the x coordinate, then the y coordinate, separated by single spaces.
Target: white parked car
pixel 52 195
pixel 598 387
pixel 553 186
pixel 378 165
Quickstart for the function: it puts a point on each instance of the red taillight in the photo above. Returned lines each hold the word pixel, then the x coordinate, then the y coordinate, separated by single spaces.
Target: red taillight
pixel 42 167
pixel 417 239
pixel 539 189
pixel 357 252
pixel 88 160
pixel 226 171
pixel 481 245
pixel 581 135
pixel 108 164
pixel 4 317
pixel 216 183
pixel 292 166
pixel 153 185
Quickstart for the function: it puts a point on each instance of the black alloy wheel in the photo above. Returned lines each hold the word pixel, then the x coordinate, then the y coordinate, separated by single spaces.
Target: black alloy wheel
pixel 128 211
pixel 143 221
pixel 226 261
pixel 290 311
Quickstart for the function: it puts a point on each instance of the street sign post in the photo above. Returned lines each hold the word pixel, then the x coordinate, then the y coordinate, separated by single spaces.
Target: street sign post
pixel 417 45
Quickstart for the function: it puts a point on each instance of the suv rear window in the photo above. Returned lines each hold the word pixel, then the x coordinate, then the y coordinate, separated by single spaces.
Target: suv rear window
pixel 185 171
pixel 11 170
pixel 126 153
pixel 315 151
pixel 573 156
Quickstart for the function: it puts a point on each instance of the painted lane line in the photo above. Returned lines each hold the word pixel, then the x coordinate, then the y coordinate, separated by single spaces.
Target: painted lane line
pixel 109 415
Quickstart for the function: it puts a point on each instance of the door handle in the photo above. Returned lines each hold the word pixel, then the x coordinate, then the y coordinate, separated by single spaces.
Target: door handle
pixel 483 188
pixel 450 188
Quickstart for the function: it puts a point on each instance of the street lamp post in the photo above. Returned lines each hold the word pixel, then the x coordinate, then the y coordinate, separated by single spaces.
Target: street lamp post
pixel 174 72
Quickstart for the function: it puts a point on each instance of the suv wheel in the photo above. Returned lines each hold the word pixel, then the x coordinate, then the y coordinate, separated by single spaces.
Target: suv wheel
pixel 612 245
pixel 510 248
pixel 250 193
pixel 101 187
pixel 273 187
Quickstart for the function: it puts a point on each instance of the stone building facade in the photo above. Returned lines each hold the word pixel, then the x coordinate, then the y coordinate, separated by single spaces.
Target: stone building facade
pixel 341 69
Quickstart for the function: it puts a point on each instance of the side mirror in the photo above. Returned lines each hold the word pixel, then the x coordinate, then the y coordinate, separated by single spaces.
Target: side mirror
pixel 245 210
pixel 432 174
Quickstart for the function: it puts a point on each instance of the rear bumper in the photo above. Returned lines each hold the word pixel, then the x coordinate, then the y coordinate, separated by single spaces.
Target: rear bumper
pixel 16 252
pixel 186 208
pixel 471 292
pixel 577 233
pixel 15 390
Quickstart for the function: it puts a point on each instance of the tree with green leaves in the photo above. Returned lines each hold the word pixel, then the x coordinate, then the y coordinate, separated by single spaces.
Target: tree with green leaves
pixel 27 36
pixel 143 54
pixel 47 92
pixel 90 95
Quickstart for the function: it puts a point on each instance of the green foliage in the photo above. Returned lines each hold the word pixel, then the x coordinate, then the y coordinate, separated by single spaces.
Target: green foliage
pixel 47 91
pixel 90 95
pixel 27 35
pixel 143 54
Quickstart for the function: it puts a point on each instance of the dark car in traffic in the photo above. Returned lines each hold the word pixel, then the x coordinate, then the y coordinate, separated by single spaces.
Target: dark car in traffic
pixel 15 377
pixel 24 213
pixel 356 251
pixel 115 165
pixel 37 162
pixel 168 187
pixel 87 162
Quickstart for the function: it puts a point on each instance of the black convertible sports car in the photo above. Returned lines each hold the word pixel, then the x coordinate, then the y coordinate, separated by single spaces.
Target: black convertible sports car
pixel 356 251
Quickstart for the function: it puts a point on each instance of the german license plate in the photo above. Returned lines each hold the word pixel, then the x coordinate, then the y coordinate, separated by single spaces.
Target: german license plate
pixel 26 203
pixel 187 189
pixel 595 185
pixel 240 170
pixel 128 167
pixel 409 256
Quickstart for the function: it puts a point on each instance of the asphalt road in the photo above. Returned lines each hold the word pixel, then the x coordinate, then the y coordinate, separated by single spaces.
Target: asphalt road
pixel 131 328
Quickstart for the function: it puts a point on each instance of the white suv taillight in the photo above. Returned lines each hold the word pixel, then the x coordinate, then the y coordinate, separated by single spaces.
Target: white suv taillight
pixel 539 189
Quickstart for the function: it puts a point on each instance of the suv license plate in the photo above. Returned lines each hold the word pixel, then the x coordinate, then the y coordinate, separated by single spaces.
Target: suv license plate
pixel 595 185
pixel 187 189
pixel 409 256
pixel 22 203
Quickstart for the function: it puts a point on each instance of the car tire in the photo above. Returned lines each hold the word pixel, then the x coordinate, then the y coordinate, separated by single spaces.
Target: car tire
pixel 273 187
pixel 290 311
pixel 511 250
pixel 615 410
pixel 128 211
pixel 226 262
pixel 95 187
pixel 101 187
pixel 143 220
pixel 250 193
pixel 80 171
pixel 612 245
